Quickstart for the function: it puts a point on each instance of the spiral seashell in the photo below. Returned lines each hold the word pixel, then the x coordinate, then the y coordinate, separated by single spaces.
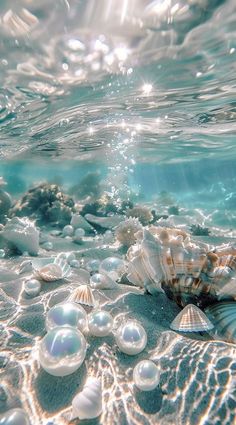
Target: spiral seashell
pixel 191 319
pixel 187 271
pixel 22 234
pixel 223 316
pixel 88 403
pixel 83 295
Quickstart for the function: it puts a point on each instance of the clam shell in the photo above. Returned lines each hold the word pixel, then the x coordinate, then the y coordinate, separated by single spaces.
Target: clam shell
pixel 49 273
pixel 191 319
pixel 223 316
pixel 83 295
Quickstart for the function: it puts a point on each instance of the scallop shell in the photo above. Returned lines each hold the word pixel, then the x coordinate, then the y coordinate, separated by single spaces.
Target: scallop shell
pixel 223 316
pixel 83 295
pixel 191 319
pixel 50 272
pixel 88 403
pixel 187 271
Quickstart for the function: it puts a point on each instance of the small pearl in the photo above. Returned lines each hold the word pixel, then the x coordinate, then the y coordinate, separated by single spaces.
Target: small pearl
pixel 100 323
pixel 48 246
pixel 113 267
pixel 32 287
pixel 75 264
pixel 146 375
pixel 66 314
pixel 68 230
pixel 62 351
pixel 14 417
pixel 131 338
pixel 92 265
pixel 79 233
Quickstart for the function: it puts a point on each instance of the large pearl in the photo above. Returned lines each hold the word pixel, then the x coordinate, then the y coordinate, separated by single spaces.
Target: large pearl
pixel 131 338
pixel 113 267
pixel 68 230
pixel 100 323
pixel 14 417
pixel 66 314
pixel 62 351
pixel 146 375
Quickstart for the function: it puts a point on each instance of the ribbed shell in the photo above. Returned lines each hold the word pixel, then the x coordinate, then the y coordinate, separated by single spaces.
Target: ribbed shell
pixel 191 319
pixel 83 295
pixel 223 316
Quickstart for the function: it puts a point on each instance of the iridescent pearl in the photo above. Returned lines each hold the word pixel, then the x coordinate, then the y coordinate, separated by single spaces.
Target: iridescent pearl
pixel 32 287
pixel 66 314
pixel 146 375
pixel 62 351
pixel 113 267
pixel 68 230
pixel 47 245
pixel 92 265
pixel 75 264
pixel 131 338
pixel 14 417
pixel 79 234
pixel 100 323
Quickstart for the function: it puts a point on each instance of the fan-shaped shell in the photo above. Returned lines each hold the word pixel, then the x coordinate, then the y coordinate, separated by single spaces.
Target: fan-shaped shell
pixel 83 295
pixel 223 316
pixel 191 319
pixel 88 403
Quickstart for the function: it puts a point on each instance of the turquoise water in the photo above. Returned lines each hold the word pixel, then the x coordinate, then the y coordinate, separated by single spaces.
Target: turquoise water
pixel 120 104
pixel 140 91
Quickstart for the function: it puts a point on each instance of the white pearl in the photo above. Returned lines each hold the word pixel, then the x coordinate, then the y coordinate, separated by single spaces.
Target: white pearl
pixel 75 264
pixel 92 265
pixel 79 233
pixel 113 267
pixel 146 375
pixel 131 338
pixel 66 314
pixel 32 287
pixel 14 417
pixel 62 351
pixel 47 245
pixel 100 323
pixel 68 230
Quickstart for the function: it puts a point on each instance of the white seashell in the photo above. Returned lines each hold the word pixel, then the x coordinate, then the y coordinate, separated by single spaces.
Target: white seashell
pixel 83 295
pixel 191 319
pixel 102 281
pixel 88 403
pixel 22 234
pixel 78 221
pixel 57 270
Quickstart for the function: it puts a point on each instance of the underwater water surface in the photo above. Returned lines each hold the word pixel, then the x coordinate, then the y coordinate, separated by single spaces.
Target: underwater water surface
pixel 107 106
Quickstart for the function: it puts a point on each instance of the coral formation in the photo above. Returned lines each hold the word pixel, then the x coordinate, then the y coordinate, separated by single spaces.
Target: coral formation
pixel 126 230
pixel 197 230
pixel 46 203
pixel 142 213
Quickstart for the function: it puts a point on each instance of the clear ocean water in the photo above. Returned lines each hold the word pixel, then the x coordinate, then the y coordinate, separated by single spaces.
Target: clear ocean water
pixel 120 103
pixel 139 92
